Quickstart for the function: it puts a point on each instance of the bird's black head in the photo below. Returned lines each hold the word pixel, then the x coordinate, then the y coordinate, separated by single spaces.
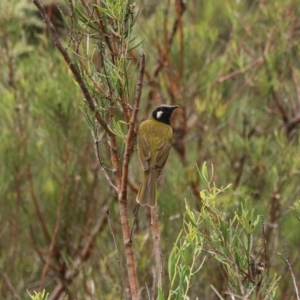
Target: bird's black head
pixel 163 113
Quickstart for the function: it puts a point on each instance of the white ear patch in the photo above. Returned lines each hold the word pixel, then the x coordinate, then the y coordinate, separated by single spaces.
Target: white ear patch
pixel 158 114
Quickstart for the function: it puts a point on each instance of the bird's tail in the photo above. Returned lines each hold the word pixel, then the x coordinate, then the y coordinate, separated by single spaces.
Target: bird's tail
pixel 147 190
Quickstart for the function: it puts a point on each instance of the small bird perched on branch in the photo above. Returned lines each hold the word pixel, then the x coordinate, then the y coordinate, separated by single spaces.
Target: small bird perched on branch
pixel 154 141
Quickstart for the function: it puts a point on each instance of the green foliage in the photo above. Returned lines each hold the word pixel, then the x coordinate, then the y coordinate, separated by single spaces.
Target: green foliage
pixel 228 239
pixel 39 296
pixel 297 208
pixel 183 262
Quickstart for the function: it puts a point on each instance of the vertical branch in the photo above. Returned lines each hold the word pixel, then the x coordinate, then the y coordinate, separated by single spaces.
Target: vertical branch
pixel 132 123
pixel 165 24
pixel 265 253
pixel 180 7
pixel 131 269
pixel 157 247
pixel 117 252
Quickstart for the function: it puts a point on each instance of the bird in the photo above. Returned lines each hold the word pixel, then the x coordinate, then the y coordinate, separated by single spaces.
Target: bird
pixel 154 141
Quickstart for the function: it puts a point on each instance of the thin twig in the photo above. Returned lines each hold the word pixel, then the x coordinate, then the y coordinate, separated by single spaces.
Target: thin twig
pixel 103 168
pixel 217 293
pixel 180 8
pixel 37 206
pixel 11 287
pixel 134 220
pixel 265 241
pixel 293 122
pixel 117 250
pixel 55 232
pixel 89 241
pixel 280 107
pixel 255 63
pixel 295 104
pixel 157 247
pixel 57 292
pixel 287 261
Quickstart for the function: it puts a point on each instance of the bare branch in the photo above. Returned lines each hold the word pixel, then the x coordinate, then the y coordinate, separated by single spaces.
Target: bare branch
pixel 157 247
pixel 287 261
pixel 117 250
pixel 55 232
pixel 132 276
pixel 255 63
pixel 132 123
pixel 37 206
pixel 103 168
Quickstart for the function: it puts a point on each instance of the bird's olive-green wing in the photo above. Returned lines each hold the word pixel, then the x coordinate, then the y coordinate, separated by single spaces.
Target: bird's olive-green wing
pixel 144 151
pixel 162 155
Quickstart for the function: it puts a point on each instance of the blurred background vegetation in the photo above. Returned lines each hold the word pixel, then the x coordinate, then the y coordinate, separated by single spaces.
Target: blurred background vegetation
pixel 232 66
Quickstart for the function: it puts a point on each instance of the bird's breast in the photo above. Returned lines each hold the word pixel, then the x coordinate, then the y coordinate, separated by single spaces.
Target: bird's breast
pixel 156 132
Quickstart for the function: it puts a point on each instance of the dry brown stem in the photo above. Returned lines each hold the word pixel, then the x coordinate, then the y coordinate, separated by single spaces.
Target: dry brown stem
pixel 157 248
pixel 132 276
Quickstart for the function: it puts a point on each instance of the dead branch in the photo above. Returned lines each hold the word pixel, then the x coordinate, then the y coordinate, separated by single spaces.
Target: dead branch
pixel 55 233
pixel 132 276
pixel 37 206
pixel 287 261
pixel 255 63
pixel 157 248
